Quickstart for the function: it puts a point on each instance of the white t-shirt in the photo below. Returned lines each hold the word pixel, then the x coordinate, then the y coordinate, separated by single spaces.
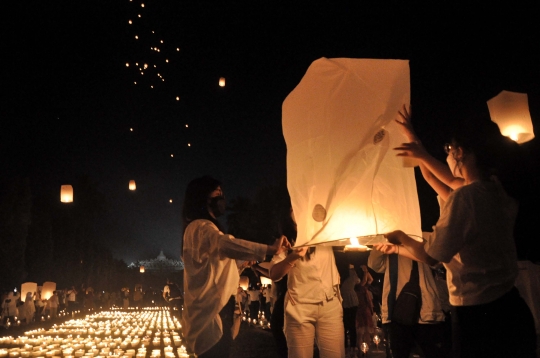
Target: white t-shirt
pixel 210 279
pixel 314 280
pixel 474 240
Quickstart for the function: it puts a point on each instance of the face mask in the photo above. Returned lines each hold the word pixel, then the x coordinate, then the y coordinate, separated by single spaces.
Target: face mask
pixel 217 205
pixel 452 164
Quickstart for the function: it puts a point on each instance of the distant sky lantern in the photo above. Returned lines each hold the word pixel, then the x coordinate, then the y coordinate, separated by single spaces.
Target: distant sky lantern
pixel 66 193
pixel 141 269
pixel 131 129
pixel 151 86
pixel 127 64
pixel 139 15
pixel 167 60
pixel 189 144
pixel 132 185
pixel 136 37
pixel 343 177
pixel 136 64
pixel 222 82
pixel 265 281
pixel 142 5
pixel 187 125
pixel 130 22
pixel 510 110
pixel 161 41
pixel 177 98
pixel 172 155
pixel 170 200
pixel 177 49
pixel 134 82
pixel 244 282
pixel 145 66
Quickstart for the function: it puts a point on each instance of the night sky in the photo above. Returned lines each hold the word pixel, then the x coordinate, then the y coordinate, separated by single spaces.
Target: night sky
pixel 69 101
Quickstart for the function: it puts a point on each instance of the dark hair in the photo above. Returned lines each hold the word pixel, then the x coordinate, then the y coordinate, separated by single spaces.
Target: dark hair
pixel 195 200
pixel 493 151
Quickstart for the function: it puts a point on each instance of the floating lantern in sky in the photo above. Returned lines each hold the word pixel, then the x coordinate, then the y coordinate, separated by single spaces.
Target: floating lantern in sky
pixel 510 110
pixel 189 144
pixel 136 37
pixel 145 66
pixel 167 60
pixel 343 177
pixel 141 269
pixel 177 49
pixel 222 82
pixel 170 200
pixel 132 185
pixel 139 15
pixel 127 64
pixel 142 5
pixel 130 22
pixel 172 155
pixel 66 193
pixel 265 281
pixel 177 98
pixel 187 125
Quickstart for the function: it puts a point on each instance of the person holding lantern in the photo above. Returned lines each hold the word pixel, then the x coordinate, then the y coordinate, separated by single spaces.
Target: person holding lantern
pixel 211 272
pixel 313 303
pixel 473 238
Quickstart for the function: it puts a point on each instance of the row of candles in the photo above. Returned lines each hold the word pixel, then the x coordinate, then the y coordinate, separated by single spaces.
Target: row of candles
pixel 115 333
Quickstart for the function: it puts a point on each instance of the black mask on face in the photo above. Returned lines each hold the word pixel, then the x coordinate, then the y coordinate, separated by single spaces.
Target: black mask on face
pixel 217 205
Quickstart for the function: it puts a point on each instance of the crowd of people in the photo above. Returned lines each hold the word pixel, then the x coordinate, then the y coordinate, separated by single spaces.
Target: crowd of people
pixel 460 277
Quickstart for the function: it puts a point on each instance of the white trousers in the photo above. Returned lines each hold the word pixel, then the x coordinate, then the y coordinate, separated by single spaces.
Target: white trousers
pixel 307 323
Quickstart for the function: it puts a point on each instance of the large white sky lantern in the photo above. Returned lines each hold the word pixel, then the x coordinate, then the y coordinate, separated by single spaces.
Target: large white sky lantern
pixel 47 289
pixel 66 193
pixel 28 287
pixel 343 177
pixel 510 110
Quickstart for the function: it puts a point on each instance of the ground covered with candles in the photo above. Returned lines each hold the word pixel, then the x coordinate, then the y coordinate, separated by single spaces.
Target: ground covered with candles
pixel 151 332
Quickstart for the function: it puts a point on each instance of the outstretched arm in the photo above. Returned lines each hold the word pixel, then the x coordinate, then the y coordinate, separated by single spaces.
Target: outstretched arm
pixel 406 246
pixel 436 173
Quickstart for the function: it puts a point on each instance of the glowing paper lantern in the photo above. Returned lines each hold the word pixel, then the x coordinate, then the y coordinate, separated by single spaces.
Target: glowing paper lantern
pixel 66 193
pixel 343 177
pixel 265 281
pixel 132 185
pixel 47 289
pixel 510 110
pixel 141 269
pixel 222 82
pixel 244 282
pixel 28 287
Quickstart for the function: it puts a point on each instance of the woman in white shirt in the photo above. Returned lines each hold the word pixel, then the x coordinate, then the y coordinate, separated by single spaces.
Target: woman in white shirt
pixel 210 270
pixel 313 309
pixel 473 238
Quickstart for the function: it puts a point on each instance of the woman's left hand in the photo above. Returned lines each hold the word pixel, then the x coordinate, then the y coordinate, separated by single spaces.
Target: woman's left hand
pixel 386 248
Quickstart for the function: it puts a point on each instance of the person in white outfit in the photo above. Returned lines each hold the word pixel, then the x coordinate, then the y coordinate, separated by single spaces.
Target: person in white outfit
pixel 313 308
pixel 211 272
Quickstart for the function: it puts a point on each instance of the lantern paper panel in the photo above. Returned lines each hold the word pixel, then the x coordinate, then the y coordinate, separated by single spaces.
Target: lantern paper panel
pixel 244 282
pixel 343 176
pixel 28 287
pixel 66 193
pixel 510 110
pixel 132 185
pixel 265 281
pixel 47 289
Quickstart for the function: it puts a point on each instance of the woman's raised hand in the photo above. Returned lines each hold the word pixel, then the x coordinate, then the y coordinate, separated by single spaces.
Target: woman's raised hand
pixel 404 120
